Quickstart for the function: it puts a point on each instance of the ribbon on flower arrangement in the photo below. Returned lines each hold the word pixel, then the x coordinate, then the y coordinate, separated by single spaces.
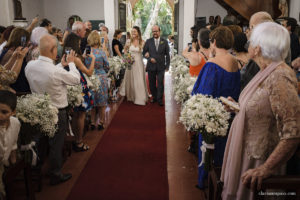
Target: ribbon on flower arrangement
pixel 203 148
pixel 29 147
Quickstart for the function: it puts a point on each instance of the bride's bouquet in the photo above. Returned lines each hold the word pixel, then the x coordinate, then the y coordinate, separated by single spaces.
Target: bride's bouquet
pixel 129 60
pixel 208 116
pixel 36 110
pixel 74 95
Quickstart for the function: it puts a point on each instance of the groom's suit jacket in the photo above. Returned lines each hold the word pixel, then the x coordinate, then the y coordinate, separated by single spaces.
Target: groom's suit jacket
pixel 161 56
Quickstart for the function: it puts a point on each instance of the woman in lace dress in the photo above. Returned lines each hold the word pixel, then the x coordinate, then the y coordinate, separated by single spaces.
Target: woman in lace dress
pixel 134 83
pixel 266 130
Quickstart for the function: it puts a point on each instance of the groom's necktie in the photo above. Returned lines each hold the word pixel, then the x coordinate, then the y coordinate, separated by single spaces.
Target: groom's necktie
pixel 156 44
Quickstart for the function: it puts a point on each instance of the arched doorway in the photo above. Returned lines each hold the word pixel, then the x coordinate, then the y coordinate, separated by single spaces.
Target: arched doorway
pixel 146 13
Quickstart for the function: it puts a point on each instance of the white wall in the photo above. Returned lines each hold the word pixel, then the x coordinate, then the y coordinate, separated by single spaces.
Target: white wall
pixel 295 9
pixel 186 21
pixel 206 8
pixel 31 8
pixel 5 18
pixel 58 11
pixel 109 16
pixel 180 25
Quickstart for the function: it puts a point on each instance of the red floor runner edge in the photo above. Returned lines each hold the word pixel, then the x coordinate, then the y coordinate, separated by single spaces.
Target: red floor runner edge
pixel 130 161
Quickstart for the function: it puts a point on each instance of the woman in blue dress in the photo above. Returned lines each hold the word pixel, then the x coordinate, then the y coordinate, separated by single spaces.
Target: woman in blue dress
pixel 101 66
pixel 220 76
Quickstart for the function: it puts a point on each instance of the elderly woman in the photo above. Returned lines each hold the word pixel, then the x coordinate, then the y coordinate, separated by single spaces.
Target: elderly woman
pixel 220 76
pixel 265 132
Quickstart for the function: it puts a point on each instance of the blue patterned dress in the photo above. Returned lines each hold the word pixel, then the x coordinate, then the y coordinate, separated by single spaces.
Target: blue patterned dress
pixel 101 62
pixel 215 81
pixel 88 100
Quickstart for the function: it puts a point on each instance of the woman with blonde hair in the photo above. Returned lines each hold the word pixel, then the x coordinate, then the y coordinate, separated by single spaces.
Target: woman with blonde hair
pixel 101 95
pixel 134 83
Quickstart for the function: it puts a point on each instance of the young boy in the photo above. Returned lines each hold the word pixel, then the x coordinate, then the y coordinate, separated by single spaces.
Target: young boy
pixel 9 131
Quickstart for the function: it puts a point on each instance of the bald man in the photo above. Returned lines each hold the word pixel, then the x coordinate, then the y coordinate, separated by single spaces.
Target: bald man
pixel 45 77
pixel 251 69
pixel 156 50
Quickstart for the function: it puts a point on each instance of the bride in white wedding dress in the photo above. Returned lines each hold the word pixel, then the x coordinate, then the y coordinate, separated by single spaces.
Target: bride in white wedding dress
pixel 134 84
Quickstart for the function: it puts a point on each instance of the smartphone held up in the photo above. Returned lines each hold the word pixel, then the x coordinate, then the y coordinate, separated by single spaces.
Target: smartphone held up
pixel 190 47
pixel 23 41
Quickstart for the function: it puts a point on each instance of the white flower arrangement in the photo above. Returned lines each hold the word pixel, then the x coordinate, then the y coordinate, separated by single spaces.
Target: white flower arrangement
pixel 179 72
pixel 177 60
pixel 93 82
pixel 116 64
pixel 205 114
pixel 183 89
pixel 75 97
pixel 179 67
pixel 36 110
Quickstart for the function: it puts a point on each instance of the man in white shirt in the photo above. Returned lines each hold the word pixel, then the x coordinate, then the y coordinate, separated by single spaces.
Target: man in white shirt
pixel 45 77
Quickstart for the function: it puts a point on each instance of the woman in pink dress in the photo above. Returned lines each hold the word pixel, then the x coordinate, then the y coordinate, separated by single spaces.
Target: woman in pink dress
pixel 266 130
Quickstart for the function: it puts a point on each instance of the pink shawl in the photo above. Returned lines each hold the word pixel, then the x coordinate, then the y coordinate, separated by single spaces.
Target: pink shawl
pixel 232 162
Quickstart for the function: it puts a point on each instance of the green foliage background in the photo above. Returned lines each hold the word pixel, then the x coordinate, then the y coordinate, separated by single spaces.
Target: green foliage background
pixel 143 10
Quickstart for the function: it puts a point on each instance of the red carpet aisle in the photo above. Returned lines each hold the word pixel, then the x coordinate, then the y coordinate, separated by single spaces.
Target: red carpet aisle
pixel 130 160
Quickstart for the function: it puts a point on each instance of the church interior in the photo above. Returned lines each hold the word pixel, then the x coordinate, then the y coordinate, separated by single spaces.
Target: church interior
pixel 150 99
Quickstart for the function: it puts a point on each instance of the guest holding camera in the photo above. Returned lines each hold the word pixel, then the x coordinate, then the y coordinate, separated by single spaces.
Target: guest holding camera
pixel 18 37
pixel 73 42
pixel 10 71
pixel 198 59
pixel 101 95
pixel 45 77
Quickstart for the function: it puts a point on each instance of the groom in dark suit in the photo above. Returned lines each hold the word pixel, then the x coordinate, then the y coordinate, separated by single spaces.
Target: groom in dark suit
pixel 156 50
